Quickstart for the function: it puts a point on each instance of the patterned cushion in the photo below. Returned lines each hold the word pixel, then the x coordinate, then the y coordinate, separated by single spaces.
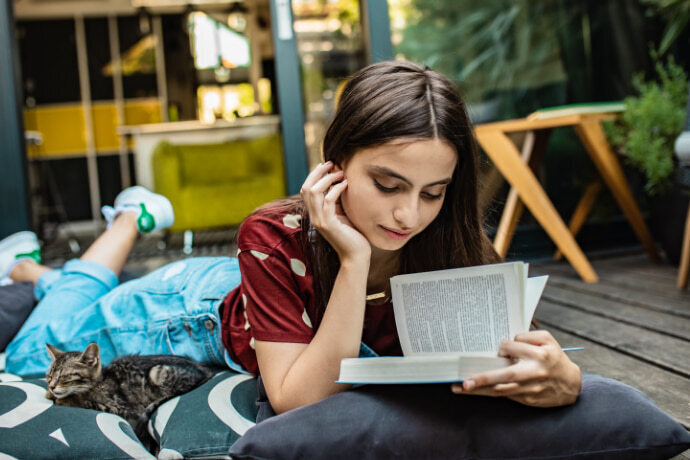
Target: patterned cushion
pixel 208 420
pixel 31 426
pixel 204 422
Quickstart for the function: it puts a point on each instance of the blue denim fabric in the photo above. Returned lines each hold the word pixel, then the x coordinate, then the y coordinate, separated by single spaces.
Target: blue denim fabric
pixel 173 310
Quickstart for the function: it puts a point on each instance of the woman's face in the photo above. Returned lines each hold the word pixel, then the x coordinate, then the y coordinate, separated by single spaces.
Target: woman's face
pixel 397 189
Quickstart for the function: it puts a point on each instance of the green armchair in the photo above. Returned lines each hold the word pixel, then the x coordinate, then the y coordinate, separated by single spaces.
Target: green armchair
pixel 218 185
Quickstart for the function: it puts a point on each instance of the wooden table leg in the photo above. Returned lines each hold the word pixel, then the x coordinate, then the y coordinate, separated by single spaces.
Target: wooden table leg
pixel 592 136
pixel 533 149
pixel 507 159
pixel 513 207
pixel 684 269
pixel 584 206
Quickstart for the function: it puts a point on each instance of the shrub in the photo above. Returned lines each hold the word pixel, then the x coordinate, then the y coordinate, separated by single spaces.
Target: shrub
pixel 651 122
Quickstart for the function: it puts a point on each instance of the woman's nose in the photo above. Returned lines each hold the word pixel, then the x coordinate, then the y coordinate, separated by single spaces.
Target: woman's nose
pixel 406 214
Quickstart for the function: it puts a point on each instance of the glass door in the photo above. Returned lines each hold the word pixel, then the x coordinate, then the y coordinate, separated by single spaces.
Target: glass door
pixel 330 46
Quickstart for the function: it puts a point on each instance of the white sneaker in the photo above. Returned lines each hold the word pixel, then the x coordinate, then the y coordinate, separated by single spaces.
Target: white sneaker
pixel 155 211
pixel 17 247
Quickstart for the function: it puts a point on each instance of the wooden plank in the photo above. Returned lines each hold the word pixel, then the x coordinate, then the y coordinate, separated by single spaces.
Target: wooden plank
pixel 646 283
pixel 658 349
pixel 638 264
pixel 637 316
pixel 669 391
pixel 661 272
pixel 631 294
pixel 626 272
pixel 684 456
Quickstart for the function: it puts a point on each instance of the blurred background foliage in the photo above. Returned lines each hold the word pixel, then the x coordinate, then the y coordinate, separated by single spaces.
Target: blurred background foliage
pixel 512 57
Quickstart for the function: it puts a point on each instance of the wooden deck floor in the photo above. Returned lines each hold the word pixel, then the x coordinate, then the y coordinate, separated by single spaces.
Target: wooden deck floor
pixel 634 325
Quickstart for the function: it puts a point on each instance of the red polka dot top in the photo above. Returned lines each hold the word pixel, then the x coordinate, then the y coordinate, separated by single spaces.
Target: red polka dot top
pixel 275 299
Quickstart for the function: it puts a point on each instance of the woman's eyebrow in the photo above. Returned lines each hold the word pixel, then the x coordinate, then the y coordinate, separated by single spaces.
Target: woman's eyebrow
pixel 389 172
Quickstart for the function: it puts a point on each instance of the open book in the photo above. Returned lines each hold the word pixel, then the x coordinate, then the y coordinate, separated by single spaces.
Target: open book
pixel 451 323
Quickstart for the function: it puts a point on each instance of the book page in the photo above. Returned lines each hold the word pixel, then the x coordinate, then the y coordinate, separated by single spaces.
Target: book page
pixel 459 310
pixel 533 291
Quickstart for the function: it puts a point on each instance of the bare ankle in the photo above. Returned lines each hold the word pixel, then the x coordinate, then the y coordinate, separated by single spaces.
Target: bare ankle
pixel 27 270
pixel 126 221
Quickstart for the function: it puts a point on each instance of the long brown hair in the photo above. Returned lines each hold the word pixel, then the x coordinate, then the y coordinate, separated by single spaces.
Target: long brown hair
pixel 396 100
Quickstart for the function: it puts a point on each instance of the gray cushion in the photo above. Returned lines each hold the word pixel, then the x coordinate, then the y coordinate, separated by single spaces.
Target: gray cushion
pixel 609 420
pixel 16 303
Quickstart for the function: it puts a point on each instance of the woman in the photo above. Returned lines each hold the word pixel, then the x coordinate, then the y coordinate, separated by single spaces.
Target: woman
pixel 397 194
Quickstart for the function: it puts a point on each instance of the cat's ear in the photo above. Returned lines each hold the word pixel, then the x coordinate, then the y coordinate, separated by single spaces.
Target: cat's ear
pixel 91 356
pixel 53 352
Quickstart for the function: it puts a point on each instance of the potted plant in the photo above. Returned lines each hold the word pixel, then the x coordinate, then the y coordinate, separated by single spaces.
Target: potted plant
pixel 645 134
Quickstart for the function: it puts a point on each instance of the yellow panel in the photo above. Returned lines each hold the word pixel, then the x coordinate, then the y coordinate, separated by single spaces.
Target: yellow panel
pixel 142 112
pixel 62 129
pixel 105 127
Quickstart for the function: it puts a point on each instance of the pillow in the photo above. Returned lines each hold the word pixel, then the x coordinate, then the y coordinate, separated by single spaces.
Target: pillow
pixel 16 302
pixel 609 420
pixel 207 420
pixel 202 423
pixel 32 426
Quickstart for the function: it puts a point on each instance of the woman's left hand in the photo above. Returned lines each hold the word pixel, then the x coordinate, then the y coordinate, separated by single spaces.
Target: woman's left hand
pixel 542 376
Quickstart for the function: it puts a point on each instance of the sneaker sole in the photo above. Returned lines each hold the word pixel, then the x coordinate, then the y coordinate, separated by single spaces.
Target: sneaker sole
pixel 26 237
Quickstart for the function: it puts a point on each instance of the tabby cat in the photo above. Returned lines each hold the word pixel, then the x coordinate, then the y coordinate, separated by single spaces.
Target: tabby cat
pixel 131 386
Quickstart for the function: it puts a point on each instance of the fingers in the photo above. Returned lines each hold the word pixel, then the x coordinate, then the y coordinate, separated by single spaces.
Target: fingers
pixel 523 371
pixel 508 374
pixel 536 338
pixel 522 350
pixel 319 181
pixel 334 193
pixel 326 182
pixel 319 193
pixel 316 174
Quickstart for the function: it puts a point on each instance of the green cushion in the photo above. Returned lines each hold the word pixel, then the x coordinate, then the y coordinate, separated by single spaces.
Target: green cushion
pixel 204 422
pixel 213 163
pixel 216 185
pixel 208 420
pixel 31 426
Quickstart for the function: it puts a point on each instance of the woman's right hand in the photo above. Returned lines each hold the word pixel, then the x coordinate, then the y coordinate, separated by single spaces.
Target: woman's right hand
pixel 321 194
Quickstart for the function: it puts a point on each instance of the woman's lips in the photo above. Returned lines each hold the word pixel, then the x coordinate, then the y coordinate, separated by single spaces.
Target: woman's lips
pixel 395 235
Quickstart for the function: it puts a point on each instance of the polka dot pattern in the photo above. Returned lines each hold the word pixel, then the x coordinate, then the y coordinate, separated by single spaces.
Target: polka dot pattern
pixel 292 221
pixel 246 321
pixel 259 255
pixel 306 319
pixel 298 267
pixel 252 344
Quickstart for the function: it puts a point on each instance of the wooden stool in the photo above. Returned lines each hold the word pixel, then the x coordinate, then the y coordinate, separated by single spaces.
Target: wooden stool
pixel 684 269
pixel 518 169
